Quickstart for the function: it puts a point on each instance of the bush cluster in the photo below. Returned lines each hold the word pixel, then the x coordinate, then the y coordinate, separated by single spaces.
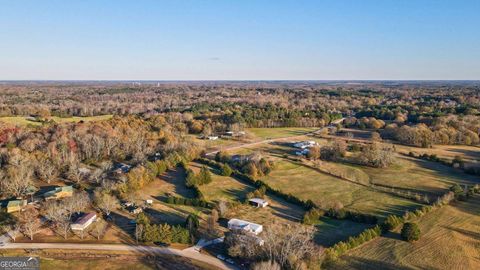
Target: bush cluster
pixel 189 201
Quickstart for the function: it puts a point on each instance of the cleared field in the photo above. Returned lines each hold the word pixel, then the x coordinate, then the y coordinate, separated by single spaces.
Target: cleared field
pixel 418 176
pixel 279 132
pixel 325 190
pixel 25 121
pixel 470 154
pixel 222 187
pixel 450 240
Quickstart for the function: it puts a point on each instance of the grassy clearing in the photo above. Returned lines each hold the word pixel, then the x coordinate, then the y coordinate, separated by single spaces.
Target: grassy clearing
pixel 279 132
pixel 324 189
pixel 25 121
pixel 470 154
pixel 450 240
pixel 419 176
pixel 222 187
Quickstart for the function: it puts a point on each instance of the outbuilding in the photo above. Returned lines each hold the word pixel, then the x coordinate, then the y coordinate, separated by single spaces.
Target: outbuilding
pixel 257 202
pixel 83 222
pixel 238 224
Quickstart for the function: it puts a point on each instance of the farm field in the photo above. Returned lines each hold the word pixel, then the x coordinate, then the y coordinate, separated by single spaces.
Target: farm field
pixel 273 133
pixel 24 120
pixel 469 154
pixel 450 239
pixel 323 189
pixel 418 176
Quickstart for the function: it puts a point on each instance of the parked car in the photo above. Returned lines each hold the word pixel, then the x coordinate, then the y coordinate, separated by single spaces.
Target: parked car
pixel 230 261
pixel 221 257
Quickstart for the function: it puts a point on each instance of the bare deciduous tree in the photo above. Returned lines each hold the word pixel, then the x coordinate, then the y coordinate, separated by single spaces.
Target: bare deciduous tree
pixel 105 202
pixel 99 228
pixel 30 222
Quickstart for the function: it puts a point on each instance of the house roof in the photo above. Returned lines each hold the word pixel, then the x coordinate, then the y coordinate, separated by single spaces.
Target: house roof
pixel 15 203
pixel 257 200
pixel 58 189
pixel 65 189
pixel 244 224
pixel 85 218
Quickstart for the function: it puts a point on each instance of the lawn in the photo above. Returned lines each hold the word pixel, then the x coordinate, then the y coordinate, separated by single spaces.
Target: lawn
pixel 450 239
pixel 25 121
pixel 222 187
pixel 325 190
pixel 271 133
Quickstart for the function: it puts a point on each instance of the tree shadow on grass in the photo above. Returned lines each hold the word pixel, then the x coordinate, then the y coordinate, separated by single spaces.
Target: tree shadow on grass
pixel 239 194
pixel 171 218
pixel 468 233
pixel 177 177
pixel 351 262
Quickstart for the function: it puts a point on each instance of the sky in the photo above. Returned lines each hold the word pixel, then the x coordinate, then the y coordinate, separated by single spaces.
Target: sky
pixel 240 40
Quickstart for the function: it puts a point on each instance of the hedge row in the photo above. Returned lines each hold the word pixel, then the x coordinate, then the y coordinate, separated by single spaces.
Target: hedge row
pixel 455 163
pixel 189 201
pixel 341 247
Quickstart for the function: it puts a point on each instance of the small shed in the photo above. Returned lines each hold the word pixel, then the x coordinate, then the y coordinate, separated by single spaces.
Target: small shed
pixel 257 202
pixel 15 205
pixel 83 222
pixel 59 192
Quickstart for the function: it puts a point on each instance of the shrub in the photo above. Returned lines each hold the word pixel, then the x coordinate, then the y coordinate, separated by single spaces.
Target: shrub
pixel 226 170
pixel 392 222
pixel 410 232
pixel 312 216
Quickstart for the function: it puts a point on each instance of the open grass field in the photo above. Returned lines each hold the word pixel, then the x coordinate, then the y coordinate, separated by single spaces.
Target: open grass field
pixel 450 239
pixel 307 183
pixel 222 187
pixel 25 121
pixel 469 154
pixel 418 176
pixel 272 133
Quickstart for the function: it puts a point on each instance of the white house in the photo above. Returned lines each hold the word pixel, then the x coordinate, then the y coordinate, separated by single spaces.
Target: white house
pixel 238 224
pixel 257 202
pixel 83 222
pixel 304 144
pixel 212 138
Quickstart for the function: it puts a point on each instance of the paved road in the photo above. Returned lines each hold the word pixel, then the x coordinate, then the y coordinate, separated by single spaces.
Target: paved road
pixel 187 253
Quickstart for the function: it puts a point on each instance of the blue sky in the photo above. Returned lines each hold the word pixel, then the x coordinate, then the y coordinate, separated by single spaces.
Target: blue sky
pixel 239 40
